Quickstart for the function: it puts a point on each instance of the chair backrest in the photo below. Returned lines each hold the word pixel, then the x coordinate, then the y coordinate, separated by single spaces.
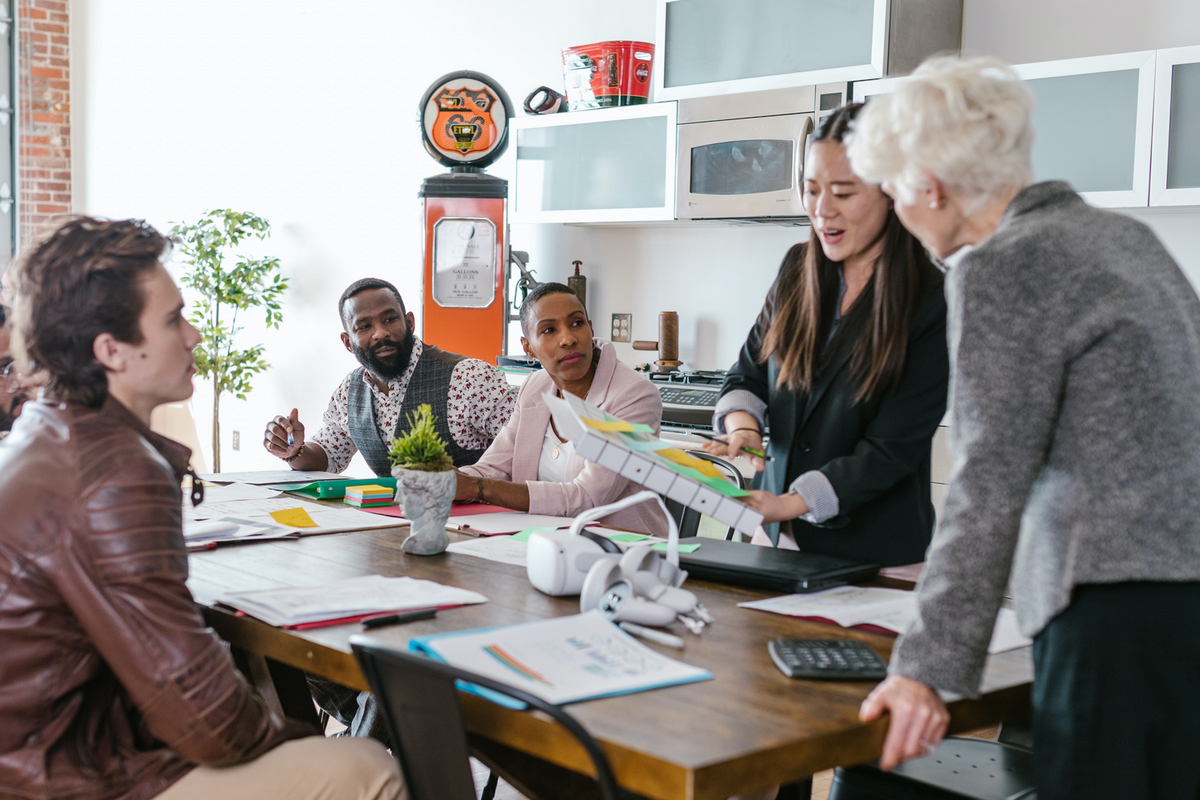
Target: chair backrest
pixel 688 519
pixel 421 704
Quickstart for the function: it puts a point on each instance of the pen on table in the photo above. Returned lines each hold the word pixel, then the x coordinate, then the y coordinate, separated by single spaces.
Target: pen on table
pixel 651 635
pixel 467 529
pixel 399 619
pixel 749 450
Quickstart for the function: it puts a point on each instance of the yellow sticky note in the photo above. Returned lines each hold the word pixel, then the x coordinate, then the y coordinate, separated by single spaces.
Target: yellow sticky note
pixel 293 518
pixel 700 465
pixel 608 425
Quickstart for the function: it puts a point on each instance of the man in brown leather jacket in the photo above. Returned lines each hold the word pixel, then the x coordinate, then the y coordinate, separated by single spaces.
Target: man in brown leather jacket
pixel 111 686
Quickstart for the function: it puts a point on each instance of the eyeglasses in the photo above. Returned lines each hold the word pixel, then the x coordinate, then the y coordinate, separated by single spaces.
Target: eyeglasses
pixel 10 378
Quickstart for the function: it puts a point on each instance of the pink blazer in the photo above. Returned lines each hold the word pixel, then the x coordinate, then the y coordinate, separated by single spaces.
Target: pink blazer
pixel 515 452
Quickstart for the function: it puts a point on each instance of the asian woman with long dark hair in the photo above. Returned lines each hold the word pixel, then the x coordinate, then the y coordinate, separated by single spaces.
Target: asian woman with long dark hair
pixel 847 363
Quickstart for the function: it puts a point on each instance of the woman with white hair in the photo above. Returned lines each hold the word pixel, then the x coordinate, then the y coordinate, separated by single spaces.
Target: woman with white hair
pixel 1075 364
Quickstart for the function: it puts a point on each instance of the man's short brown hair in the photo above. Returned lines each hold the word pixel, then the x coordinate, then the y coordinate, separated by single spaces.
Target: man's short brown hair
pixel 79 282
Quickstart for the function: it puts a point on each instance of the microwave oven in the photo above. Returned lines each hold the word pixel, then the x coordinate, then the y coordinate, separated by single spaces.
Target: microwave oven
pixel 741 156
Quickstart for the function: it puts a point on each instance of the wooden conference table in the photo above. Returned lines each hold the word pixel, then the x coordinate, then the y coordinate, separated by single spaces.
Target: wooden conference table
pixel 748 728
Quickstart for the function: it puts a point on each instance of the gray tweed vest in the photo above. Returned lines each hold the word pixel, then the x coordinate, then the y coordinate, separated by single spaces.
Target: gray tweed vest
pixel 430 383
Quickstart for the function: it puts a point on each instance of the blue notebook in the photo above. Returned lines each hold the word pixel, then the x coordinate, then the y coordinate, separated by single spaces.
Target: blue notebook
pixel 562 660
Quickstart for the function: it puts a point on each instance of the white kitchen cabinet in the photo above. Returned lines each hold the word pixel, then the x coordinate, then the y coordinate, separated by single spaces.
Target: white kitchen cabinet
pixel 715 47
pixel 1175 157
pixel 606 165
pixel 1092 121
pixel 712 47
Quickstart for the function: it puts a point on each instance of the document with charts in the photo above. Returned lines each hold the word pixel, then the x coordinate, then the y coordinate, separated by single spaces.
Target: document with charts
pixel 634 452
pixel 561 660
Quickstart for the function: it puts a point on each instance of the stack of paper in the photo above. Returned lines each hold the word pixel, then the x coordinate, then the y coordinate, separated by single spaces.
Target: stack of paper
pixel 293 515
pixel 561 660
pixel 203 534
pixel 869 608
pixel 347 600
pixel 369 495
pixel 633 451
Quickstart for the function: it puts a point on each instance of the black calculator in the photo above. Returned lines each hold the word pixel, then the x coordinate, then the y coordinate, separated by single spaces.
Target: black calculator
pixel 827 659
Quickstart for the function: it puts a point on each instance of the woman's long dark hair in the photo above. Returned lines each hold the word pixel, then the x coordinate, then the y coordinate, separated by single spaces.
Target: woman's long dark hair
pixel 806 292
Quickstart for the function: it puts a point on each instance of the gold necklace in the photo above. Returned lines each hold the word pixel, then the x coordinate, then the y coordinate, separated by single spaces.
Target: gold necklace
pixel 554 454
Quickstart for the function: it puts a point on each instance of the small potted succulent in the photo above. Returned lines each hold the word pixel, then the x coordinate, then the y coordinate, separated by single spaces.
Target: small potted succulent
pixel 425 483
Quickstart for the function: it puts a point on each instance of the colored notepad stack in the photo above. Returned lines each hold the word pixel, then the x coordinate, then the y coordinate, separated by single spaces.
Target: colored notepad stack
pixel 368 496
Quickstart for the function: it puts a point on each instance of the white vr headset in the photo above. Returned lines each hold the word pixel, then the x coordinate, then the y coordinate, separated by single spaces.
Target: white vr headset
pixel 636 585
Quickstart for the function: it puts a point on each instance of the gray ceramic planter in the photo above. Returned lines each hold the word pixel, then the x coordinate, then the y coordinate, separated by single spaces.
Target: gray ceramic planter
pixel 426 499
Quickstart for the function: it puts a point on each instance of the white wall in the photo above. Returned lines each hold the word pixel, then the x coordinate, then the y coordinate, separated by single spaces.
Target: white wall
pixel 308 117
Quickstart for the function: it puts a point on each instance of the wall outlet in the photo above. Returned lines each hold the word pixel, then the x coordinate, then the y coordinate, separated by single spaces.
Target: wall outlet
pixel 622 327
pixel 237 440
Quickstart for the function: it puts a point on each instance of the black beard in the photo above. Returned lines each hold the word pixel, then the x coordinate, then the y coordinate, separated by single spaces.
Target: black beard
pixel 9 416
pixel 386 368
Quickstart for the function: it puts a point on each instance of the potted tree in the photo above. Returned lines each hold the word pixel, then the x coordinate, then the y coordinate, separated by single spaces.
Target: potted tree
pixel 425 483
pixel 224 290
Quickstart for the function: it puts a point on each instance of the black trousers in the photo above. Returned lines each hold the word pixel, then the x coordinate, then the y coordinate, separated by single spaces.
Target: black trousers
pixel 358 711
pixel 1116 694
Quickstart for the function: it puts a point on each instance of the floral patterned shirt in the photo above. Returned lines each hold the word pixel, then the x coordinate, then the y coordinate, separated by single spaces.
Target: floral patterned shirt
pixel 479 401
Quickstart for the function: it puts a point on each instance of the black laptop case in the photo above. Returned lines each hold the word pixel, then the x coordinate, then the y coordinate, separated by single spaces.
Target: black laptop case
pixel 745 564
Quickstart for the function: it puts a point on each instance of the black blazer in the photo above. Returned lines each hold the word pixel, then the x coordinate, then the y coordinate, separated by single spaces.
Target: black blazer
pixel 875 453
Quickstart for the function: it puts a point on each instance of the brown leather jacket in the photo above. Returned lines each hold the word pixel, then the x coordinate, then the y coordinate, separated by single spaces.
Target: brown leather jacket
pixel 111 685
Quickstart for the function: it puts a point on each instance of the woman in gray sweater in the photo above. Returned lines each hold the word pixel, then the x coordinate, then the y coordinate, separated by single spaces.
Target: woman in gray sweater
pixel 1075 400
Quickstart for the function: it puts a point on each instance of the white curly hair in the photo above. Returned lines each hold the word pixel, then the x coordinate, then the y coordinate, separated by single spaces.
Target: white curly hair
pixel 964 121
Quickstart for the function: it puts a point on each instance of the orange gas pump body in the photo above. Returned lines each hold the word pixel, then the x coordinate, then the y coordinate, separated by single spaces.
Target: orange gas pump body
pixel 474 332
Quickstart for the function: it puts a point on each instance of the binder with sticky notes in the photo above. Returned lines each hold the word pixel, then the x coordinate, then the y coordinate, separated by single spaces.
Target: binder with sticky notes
pixel 634 452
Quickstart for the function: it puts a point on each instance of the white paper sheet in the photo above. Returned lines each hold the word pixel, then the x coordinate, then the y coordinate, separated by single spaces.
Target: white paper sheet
pixel 892 609
pixel 504 549
pixel 261 478
pixel 328 519
pixel 565 659
pixel 509 522
pixel 237 491
pixel 347 598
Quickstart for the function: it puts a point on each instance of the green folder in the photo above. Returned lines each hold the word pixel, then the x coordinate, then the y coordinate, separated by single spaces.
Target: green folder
pixel 330 490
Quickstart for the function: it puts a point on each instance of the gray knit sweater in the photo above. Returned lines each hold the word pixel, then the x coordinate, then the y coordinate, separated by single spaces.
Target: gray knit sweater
pixel 1075 394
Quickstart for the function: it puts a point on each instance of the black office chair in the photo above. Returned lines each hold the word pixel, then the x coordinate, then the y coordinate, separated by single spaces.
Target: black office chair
pixel 421 705
pixel 688 519
pixel 961 767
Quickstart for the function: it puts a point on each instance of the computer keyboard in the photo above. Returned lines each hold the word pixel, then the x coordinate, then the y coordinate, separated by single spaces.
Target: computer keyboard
pixel 828 659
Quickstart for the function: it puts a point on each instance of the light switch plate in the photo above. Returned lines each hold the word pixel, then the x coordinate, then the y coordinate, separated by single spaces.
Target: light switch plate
pixel 237 440
pixel 622 327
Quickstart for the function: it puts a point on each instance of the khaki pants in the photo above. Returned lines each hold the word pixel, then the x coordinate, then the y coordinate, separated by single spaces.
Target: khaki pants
pixel 302 769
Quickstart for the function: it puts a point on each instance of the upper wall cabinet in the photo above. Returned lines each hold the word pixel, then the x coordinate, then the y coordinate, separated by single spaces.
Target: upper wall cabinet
pixel 607 165
pixel 1175 163
pixel 1092 120
pixel 713 47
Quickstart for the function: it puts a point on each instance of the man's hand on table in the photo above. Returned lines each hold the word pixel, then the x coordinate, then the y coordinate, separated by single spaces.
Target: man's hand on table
pixel 919 719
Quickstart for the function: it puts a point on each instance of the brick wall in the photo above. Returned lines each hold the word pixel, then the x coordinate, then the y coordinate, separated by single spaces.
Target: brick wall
pixel 45 114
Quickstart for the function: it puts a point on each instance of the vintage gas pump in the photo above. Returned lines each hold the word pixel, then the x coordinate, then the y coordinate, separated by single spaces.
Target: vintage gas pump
pixel 464 126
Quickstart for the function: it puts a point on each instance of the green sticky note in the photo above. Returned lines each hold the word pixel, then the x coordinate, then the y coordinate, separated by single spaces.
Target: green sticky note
pixel 683 548
pixel 723 486
pixel 629 537
pixel 641 427
pixel 523 536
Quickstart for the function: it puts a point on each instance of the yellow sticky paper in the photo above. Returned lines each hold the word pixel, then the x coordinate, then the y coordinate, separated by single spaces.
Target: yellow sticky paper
pixel 293 518
pixel 700 465
pixel 609 425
